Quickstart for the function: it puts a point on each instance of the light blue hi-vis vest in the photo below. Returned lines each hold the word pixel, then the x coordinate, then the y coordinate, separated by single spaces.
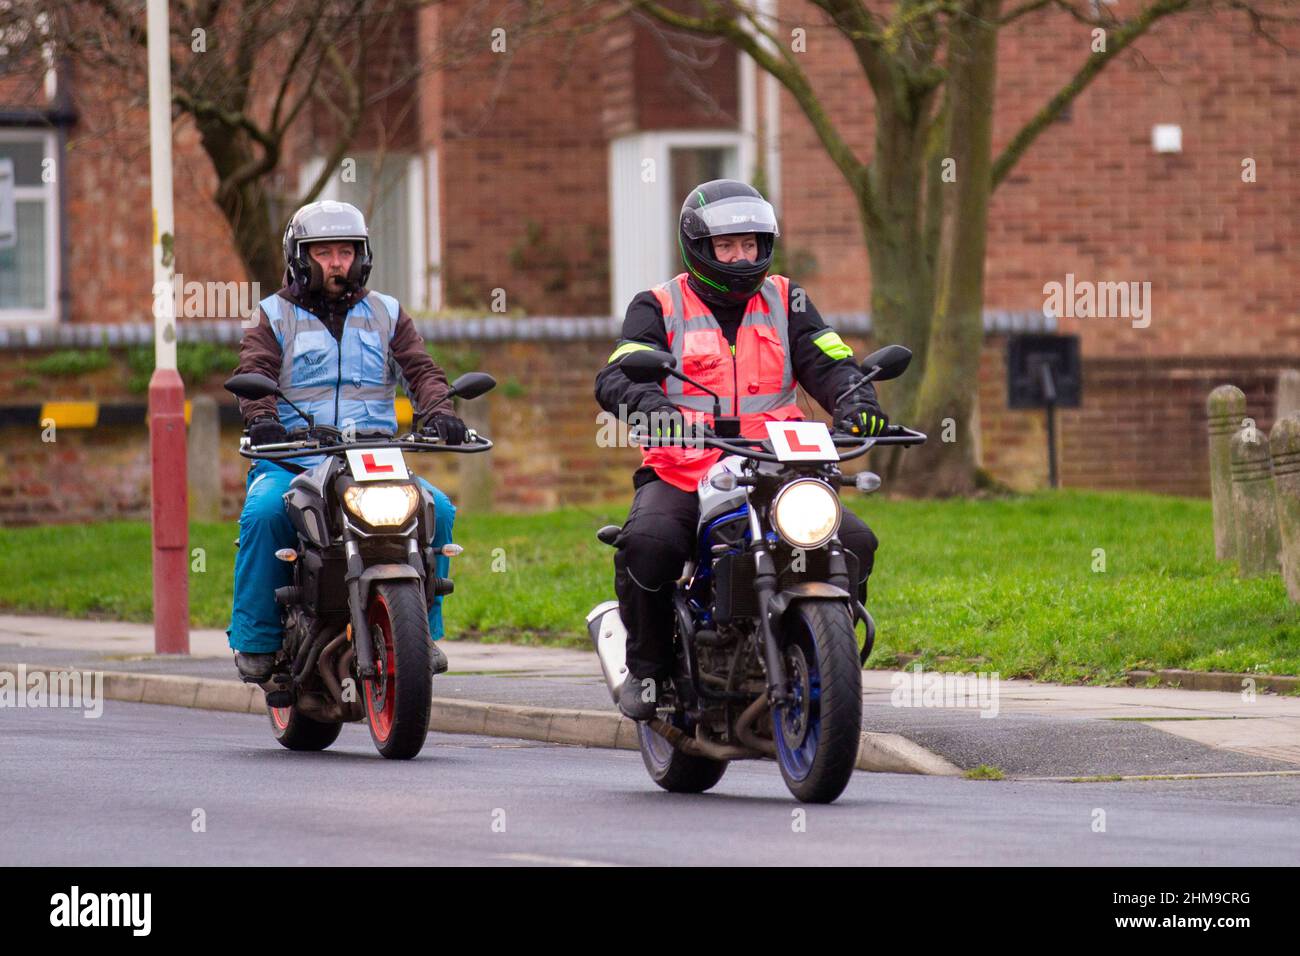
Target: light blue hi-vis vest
pixel 344 382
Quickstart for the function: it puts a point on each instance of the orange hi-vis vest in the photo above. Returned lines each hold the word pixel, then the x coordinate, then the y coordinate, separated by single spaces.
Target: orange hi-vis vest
pixel 756 383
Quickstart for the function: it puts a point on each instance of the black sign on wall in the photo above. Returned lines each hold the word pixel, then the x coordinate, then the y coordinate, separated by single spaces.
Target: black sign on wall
pixel 1029 357
pixel 1043 371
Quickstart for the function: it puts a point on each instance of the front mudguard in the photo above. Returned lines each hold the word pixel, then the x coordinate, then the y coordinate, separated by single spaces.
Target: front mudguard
pixel 784 601
pixel 819 591
pixel 384 572
pixel 359 595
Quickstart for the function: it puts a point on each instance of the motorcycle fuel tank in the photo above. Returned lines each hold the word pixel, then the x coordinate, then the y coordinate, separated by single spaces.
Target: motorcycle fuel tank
pixel 714 502
pixel 314 478
pixel 609 637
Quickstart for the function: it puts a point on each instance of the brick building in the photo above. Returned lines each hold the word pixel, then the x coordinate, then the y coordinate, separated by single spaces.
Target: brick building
pixel 544 178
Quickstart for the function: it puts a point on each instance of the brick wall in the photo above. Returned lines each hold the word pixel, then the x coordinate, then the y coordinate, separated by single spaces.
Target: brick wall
pixel 522 169
pixel 1091 197
pixel 1142 428
pixel 1143 422
pixel 106 175
pixel 542 418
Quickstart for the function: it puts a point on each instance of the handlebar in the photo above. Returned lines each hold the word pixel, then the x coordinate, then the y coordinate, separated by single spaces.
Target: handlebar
pixel 281 451
pixel 745 447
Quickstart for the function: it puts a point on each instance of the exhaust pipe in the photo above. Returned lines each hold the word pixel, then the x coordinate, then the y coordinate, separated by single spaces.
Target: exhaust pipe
pixel 609 638
pixel 325 666
pixel 744 729
pixel 697 746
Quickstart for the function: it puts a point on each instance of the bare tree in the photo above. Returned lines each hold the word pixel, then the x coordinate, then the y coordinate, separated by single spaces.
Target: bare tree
pixel 257 76
pixel 931 67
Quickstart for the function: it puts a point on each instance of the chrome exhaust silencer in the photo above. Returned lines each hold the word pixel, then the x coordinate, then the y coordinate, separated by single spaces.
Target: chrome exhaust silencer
pixel 609 637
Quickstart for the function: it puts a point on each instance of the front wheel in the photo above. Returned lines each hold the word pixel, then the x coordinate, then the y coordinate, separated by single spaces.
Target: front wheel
pixel 400 697
pixel 818 733
pixel 296 732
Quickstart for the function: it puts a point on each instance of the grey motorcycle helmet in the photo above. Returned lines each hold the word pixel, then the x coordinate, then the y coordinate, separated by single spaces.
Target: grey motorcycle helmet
pixel 325 221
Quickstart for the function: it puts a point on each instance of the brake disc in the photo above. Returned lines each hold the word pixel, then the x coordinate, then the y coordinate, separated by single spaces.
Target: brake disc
pixel 794 716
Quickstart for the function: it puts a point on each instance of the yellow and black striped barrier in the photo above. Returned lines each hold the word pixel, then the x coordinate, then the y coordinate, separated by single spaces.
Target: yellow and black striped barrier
pixel 93 414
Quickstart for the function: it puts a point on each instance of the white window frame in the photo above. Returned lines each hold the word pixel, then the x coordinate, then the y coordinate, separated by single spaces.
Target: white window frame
pixel 428 268
pixel 640 222
pixel 49 192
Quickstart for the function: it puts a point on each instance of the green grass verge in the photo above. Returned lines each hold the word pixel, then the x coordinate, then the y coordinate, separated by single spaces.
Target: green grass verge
pixel 1011 585
pixel 984 772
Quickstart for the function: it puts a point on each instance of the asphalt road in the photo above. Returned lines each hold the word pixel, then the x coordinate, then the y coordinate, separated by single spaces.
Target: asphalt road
pixel 129 787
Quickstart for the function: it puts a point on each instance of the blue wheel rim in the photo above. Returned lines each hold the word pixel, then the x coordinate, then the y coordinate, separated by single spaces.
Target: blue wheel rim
pixel 797 761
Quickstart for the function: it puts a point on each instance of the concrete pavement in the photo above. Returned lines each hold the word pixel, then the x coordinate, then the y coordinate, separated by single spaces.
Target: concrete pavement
pixel 122 640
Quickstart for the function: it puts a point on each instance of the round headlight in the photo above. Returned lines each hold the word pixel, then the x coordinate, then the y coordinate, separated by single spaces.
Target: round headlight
pixel 382 506
pixel 806 513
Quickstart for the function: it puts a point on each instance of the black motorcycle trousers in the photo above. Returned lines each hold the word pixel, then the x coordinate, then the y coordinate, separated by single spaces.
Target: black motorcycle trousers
pixel 657 539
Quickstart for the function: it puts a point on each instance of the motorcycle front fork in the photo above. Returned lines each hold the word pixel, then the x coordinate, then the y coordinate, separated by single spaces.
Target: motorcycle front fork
pixel 765 578
pixel 778 686
pixel 357 607
pixel 357 600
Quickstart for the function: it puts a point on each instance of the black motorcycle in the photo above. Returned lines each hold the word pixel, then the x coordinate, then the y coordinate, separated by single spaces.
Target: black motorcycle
pixel 356 633
pixel 766 655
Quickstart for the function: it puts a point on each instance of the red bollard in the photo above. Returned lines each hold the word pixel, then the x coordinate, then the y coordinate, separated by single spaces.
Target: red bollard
pixel 171 582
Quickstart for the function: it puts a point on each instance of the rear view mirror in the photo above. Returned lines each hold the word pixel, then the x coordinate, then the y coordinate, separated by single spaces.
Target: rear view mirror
pixel 472 385
pixel 892 361
pixel 647 366
pixel 252 385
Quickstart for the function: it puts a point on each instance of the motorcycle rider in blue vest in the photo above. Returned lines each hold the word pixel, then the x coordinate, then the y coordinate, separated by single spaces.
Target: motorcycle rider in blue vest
pixel 337 350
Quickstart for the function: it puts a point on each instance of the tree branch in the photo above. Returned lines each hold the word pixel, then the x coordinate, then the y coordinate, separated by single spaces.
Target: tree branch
pixel 294 60
pixel 791 77
pixel 1257 20
pixel 353 123
pixel 855 22
pixel 1116 43
pixel 235 120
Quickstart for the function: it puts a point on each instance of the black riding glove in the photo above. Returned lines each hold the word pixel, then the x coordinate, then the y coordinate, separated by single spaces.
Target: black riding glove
pixel 667 425
pixel 448 428
pixel 267 431
pixel 863 420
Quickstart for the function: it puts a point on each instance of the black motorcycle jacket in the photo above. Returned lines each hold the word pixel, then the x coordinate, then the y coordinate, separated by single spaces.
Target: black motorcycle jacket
pixel 823 364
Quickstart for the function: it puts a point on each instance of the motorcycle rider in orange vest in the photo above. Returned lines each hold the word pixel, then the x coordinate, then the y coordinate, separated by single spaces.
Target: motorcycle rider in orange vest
pixel 750 337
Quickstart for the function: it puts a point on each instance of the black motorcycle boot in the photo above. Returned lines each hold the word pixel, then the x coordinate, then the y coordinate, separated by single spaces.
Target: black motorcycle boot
pixel 439 659
pixel 639 698
pixel 254 668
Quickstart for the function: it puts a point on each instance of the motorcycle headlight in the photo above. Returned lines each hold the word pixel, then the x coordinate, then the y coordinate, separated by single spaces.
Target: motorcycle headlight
pixel 806 513
pixel 382 506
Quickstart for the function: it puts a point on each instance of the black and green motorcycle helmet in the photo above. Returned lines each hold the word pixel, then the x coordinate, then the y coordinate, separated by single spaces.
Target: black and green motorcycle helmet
pixel 724 207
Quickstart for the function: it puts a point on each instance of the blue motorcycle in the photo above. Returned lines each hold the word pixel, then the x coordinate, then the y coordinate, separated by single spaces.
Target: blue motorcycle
pixel 767 663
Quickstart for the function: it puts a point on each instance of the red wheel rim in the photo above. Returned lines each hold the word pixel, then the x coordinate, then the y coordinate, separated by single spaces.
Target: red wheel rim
pixel 281 717
pixel 380 697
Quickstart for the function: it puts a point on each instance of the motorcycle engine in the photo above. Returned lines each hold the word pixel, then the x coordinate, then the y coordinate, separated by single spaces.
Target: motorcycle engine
pixel 298 627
